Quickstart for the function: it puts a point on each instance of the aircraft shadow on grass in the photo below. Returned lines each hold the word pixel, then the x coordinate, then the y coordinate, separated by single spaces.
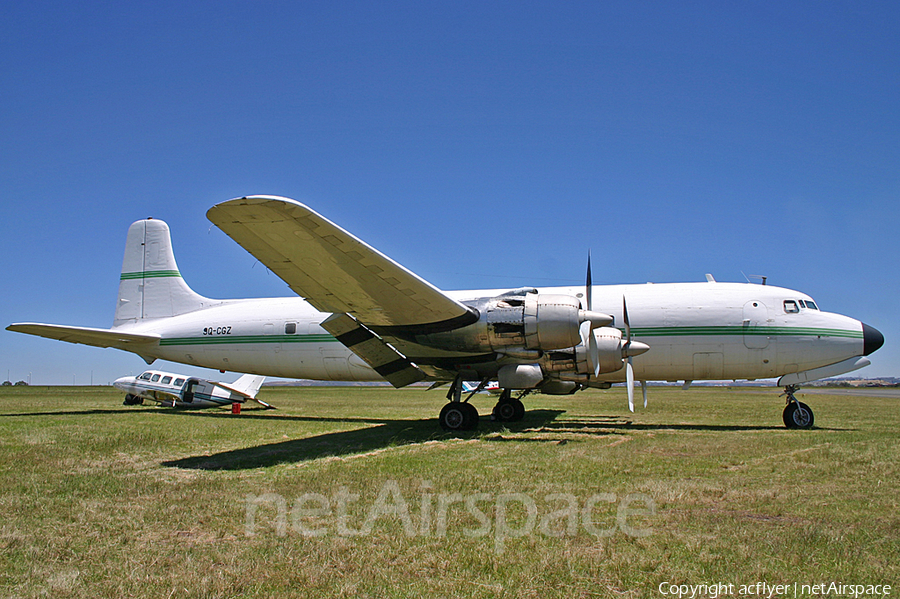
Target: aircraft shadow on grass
pixel 381 433
pixel 384 433
pixel 90 412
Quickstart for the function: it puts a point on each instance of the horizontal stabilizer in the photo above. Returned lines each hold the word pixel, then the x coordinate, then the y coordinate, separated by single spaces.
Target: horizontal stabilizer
pixel 87 336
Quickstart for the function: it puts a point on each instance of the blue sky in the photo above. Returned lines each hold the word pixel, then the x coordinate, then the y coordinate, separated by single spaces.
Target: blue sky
pixel 478 144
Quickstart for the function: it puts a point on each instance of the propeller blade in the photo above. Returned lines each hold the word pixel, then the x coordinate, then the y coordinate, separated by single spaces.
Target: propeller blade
pixel 627 322
pixel 589 340
pixel 644 391
pixel 588 286
pixel 629 377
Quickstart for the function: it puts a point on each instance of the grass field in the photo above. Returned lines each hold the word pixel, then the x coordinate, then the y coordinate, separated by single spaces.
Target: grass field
pixel 355 492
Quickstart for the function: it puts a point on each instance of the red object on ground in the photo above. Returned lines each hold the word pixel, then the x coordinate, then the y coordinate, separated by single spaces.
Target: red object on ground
pixel 235 408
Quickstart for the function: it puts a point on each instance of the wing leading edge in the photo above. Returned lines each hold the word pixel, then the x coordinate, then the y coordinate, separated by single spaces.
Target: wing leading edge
pixel 334 270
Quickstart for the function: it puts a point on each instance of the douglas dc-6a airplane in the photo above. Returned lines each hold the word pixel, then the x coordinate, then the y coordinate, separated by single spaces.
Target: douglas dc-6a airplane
pixel 182 391
pixel 363 317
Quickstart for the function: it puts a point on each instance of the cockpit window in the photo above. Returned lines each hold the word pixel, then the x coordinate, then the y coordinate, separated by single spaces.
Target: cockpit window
pixel 146 376
pixel 811 305
pixel 791 307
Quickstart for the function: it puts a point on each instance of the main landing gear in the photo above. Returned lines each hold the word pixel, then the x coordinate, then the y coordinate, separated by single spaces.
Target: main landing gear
pixel 796 413
pixel 508 409
pixel 460 415
pixel 133 400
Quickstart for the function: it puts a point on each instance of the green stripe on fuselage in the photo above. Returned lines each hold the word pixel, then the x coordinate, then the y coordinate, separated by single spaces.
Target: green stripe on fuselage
pixel 742 330
pixel 637 332
pixel 238 339
pixel 149 274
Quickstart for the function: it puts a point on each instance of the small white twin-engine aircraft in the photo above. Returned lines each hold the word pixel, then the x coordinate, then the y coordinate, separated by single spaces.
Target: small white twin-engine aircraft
pixel 182 391
pixel 364 317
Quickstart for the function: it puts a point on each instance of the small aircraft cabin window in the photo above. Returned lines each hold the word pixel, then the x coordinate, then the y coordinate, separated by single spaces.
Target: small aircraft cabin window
pixel 154 378
pixel 146 376
pixel 290 328
pixel 791 307
pixel 178 382
pixel 166 380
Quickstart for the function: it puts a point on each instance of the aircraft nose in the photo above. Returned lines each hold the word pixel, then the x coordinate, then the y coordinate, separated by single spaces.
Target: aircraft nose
pixel 872 339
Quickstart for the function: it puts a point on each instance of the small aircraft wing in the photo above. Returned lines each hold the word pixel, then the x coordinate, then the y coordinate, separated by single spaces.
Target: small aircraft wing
pixel 87 336
pixel 333 270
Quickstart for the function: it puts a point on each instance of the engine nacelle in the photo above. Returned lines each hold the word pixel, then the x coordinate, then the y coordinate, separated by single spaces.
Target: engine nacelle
pixel 611 354
pixel 522 324
pixel 552 321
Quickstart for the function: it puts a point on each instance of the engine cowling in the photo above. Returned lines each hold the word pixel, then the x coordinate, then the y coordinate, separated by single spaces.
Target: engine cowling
pixel 552 321
pixel 522 324
pixel 612 352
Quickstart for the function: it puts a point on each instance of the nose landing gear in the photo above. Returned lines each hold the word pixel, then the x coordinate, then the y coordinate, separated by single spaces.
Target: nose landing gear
pixel 796 413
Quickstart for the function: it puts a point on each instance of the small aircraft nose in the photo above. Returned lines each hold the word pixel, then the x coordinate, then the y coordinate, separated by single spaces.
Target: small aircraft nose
pixel 123 383
pixel 872 339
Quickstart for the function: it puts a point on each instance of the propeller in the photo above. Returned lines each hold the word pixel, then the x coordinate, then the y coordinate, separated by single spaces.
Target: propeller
pixel 629 349
pixel 629 369
pixel 587 327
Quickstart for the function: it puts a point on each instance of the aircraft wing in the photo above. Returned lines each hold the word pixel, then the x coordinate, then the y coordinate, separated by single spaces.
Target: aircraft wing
pixel 332 269
pixel 87 336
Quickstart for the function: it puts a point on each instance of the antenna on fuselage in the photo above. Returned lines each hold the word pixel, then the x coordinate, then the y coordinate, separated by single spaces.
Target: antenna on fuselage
pixel 757 277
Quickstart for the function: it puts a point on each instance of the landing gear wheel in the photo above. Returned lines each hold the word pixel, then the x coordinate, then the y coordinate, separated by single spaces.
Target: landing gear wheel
pixel 458 416
pixel 798 415
pixel 511 410
pixel 133 400
pixel 472 416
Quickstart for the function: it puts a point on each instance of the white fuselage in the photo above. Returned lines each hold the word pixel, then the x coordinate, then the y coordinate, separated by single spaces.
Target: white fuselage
pixel 696 331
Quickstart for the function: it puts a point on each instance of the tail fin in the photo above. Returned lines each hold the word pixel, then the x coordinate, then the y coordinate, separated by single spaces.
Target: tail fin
pixel 248 385
pixel 150 285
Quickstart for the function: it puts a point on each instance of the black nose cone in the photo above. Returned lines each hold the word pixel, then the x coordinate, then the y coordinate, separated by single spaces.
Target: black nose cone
pixel 872 339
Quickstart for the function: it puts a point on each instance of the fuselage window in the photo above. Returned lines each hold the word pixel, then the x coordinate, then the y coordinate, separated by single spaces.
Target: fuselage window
pixel 146 376
pixel 166 380
pixel 791 307
pixel 178 382
pixel 154 378
pixel 290 328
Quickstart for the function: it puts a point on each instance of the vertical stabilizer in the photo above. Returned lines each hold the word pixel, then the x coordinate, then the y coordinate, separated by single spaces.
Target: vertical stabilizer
pixel 150 285
pixel 248 385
